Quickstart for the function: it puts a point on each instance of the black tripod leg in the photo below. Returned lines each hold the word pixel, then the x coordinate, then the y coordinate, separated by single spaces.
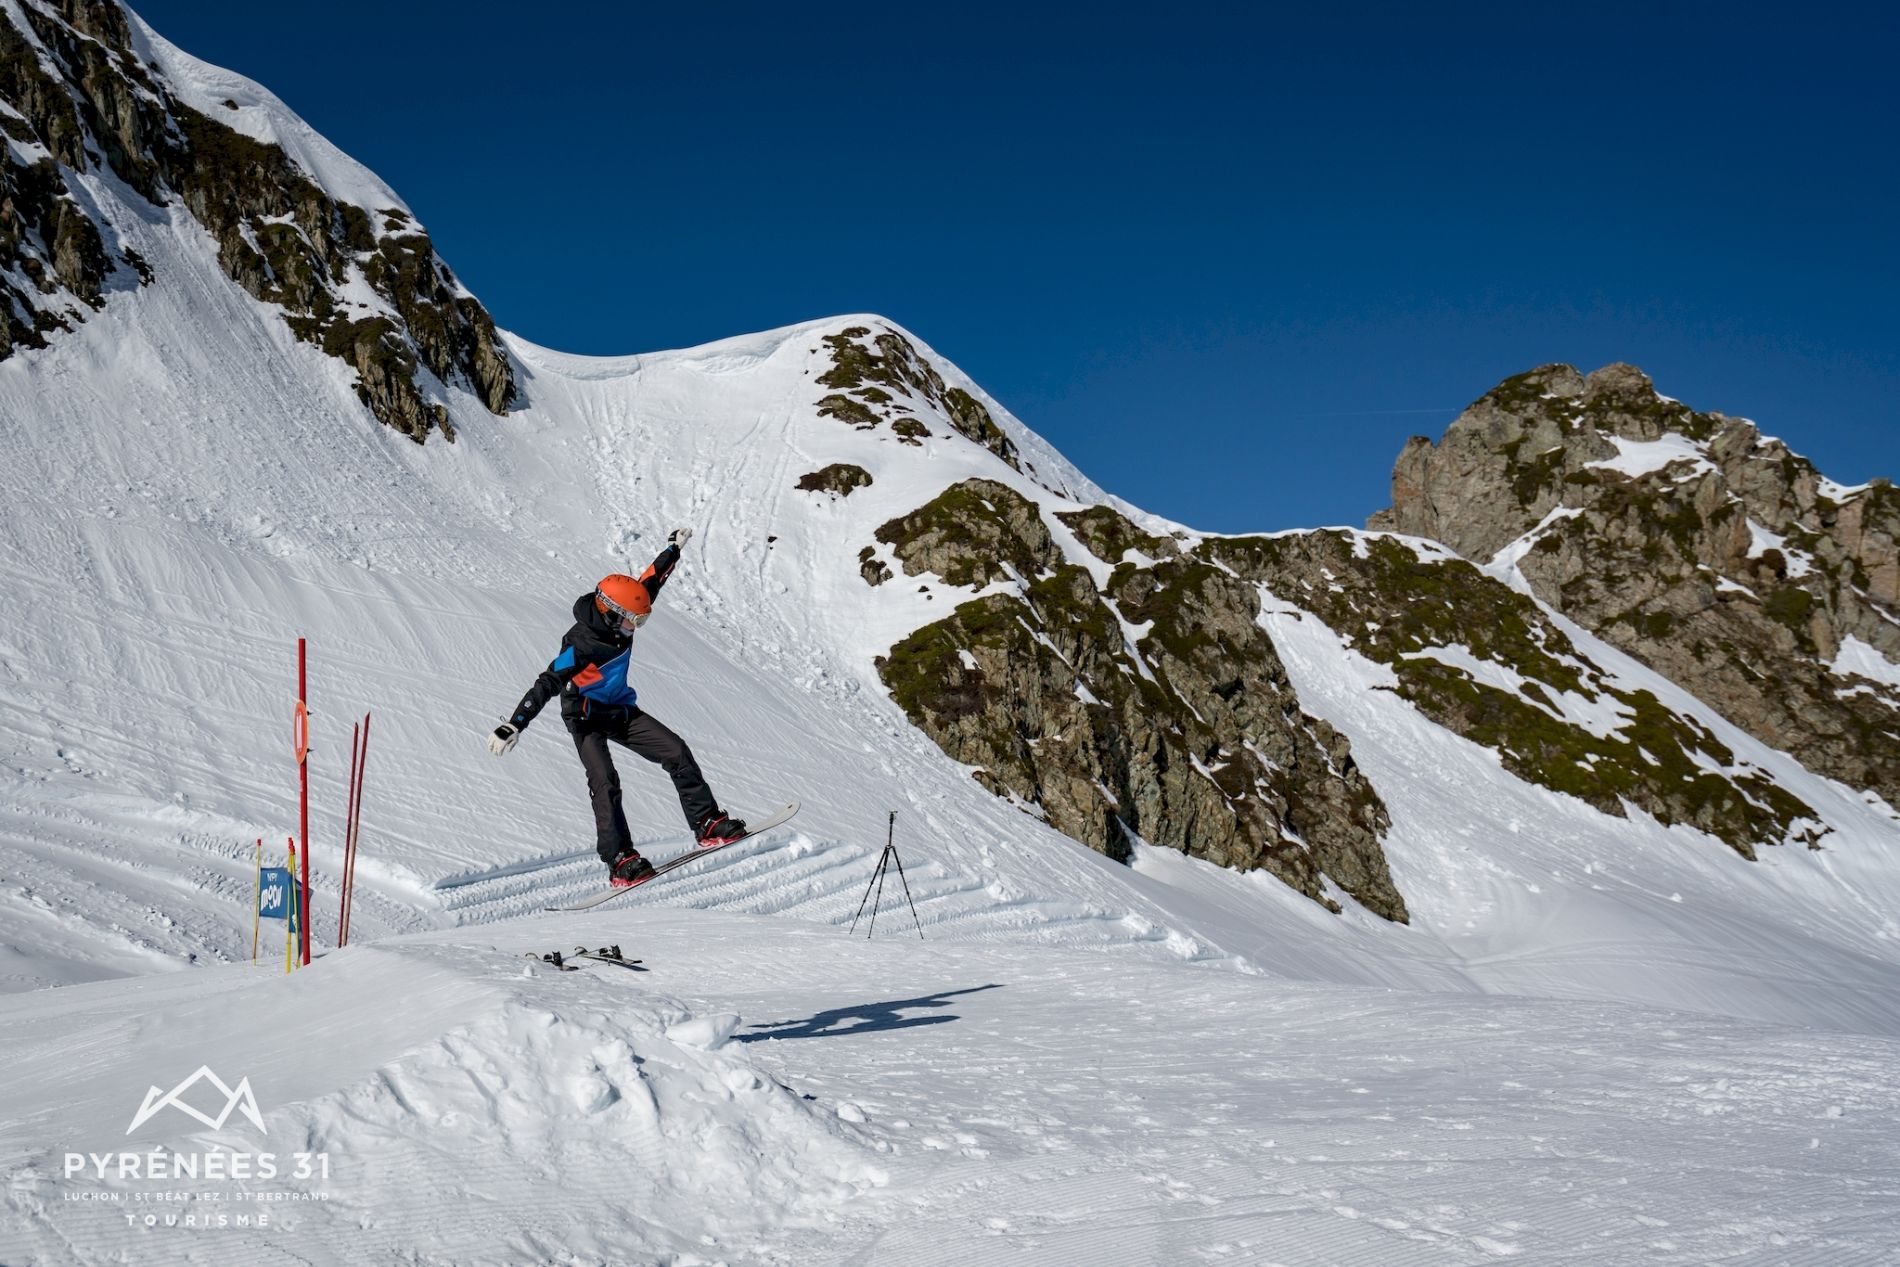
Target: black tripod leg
pixel 875 875
pixel 906 883
pixel 883 869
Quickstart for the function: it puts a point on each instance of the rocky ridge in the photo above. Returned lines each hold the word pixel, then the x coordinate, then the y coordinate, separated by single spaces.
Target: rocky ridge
pixel 1139 699
pixel 1120 682
pixel 878 378
pixel 1488 663
pixel 363 284
pixel 1709 552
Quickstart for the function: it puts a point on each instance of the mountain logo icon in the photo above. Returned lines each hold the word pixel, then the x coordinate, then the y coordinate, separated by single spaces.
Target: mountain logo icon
pixel 239 1098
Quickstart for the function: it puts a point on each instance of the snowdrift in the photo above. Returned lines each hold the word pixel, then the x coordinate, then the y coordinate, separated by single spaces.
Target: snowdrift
pixel 449 1094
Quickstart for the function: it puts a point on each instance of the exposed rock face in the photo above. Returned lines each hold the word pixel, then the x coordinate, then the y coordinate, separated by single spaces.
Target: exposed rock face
pixel 46 239
pixel 1714 555
pixel 1484 661
pixel 1154 705
pixel 840 479
pixel 974 533
pixel 873 569
pixel 879 376
pixel 75 92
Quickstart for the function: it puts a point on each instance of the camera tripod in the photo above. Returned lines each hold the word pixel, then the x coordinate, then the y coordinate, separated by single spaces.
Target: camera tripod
pixel 884 862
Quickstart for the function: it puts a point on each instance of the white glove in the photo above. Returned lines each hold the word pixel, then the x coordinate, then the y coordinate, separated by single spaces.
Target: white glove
pixel 680 536
pixel 503 739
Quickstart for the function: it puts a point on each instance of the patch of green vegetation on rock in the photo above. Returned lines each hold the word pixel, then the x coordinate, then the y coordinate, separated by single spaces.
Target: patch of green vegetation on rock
pixel 1173 598
pixel 969 417
pixel 845 409
pixel 969 532
pixel 1531 479
pixel 892 362
pixel 1073 615
pixel 910 431
pixel 926 674
pixel 1790 606
pixel 1655 515
pixel 1522 393
pixel 840 479
pixel 1109 535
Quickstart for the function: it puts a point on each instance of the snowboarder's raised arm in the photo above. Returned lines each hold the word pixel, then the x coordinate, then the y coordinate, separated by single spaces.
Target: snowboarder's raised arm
pixel 662 566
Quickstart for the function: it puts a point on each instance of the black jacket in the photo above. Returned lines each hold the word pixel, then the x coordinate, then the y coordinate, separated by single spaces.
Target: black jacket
pixel 591 646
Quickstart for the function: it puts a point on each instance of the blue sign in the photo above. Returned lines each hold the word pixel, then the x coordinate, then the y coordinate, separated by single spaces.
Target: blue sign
pixel 275 898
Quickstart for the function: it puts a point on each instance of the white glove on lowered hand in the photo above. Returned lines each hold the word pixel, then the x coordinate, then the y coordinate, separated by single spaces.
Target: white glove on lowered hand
pixel 503 739
pixel 679 537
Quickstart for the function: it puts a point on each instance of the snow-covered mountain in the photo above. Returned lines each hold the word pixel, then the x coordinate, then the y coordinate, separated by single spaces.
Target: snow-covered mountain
pixel 1188 798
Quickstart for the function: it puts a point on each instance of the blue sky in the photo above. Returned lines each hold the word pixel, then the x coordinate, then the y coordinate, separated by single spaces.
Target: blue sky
pixel 1227 257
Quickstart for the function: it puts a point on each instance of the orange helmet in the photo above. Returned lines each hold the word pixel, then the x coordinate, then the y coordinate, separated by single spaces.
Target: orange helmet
pixel 623 600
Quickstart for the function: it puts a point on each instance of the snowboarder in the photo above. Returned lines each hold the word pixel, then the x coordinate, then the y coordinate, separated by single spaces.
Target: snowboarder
pixel 598 703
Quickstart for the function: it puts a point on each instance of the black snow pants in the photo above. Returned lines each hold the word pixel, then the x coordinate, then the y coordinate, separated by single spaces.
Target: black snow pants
pixel 639 731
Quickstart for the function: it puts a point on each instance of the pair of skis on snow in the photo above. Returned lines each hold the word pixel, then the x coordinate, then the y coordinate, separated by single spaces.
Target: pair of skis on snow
pixel 778 819
pixel 606 954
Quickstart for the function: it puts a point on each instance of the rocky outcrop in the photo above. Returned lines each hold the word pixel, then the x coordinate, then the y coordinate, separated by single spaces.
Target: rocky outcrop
pixel 1707 551
pixel 1487 663
pixel 53 262
pixel 1153 706
pixel 76 93
pixel 879 376
pixel 973 533
pixel 840 479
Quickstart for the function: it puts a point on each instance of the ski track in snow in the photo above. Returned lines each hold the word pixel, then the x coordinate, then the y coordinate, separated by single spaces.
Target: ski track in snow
pixel 1600 1041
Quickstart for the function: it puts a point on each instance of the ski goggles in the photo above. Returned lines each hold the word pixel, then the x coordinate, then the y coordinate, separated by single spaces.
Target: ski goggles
pixel 626 620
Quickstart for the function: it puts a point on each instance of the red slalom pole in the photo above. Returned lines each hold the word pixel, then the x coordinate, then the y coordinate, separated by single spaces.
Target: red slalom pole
pixel 349 819
pixel 303 805
pixel 356 827
pixel 356 831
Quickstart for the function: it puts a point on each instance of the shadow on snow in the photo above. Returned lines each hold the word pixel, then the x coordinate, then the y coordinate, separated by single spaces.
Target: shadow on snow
pixel 865 1018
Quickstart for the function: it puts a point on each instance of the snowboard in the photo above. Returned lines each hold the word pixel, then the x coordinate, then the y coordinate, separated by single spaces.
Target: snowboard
pixel 778 819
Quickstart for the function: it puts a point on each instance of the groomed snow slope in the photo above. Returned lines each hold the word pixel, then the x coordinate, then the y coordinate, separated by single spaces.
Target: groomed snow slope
pixel 766 1092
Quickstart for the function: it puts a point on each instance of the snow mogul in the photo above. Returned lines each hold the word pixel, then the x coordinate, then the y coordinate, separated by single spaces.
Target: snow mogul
pixel 598 703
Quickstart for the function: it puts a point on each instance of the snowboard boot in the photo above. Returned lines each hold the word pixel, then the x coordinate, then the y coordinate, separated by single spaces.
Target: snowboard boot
pixel 720 828
pixel 629 869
